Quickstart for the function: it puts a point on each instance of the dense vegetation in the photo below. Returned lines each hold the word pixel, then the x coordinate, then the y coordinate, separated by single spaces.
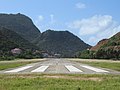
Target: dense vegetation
pixel 20 24
pixel 10 40
pixel 109 50
pixel 60 42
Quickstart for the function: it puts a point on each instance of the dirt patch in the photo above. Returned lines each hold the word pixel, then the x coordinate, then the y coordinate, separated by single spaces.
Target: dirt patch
pixel 23 60
pixel 95 60
pixel 56 77
pixel 21 76
pixel 74 78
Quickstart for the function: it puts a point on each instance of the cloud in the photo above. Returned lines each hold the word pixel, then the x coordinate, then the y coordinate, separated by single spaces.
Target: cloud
pixel 92 25
pixel 39 21
pixel 41 18
pixel 52 20
pixel 80 5
pixel 104 34
pixel 95 28
pixel 44 23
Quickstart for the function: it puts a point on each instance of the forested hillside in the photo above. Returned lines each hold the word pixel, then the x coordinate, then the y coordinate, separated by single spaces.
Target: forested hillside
pixel 10 40
pixel 61 42
pixel 105 49
pixel 20 24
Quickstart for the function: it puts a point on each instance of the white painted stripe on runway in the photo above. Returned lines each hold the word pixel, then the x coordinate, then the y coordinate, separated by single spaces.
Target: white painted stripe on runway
pixel 18 69
pixel 94 69
pixel 40 69
pixel 72 68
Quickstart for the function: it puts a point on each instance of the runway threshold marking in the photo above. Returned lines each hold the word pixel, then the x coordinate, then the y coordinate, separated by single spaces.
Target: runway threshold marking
pixel 72 68
pixel 93 68
pixel 40 69
pixel 18 69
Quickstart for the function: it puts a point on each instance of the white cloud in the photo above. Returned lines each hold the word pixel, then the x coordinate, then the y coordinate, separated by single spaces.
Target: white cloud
pixel 103 34
pixel 92 25
pixel 52 20
pixel 41 18
pixel 80 5
pixel 95 28
pixel 38 22
pixel 45 23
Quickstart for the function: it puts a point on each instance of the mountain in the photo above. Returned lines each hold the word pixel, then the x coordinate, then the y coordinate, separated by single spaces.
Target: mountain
pixel 112 42
pixel 10 40
pixel 105 49
pixel 19 30
pixel 111 49
pixel 20 24
pixel 99 45
pixel 60 42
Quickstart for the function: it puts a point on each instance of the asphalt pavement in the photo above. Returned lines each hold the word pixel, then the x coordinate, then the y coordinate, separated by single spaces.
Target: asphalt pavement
pixel 59 66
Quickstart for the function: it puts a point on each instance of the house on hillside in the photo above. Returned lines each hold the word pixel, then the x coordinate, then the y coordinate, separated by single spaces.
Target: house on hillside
pixel 16 51
pixel 45 54
pixel 57 55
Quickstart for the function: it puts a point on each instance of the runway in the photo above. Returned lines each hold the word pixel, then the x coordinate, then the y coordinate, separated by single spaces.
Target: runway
pixel 59 66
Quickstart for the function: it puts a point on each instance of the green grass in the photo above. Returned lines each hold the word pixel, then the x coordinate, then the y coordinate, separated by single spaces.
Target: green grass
pixel 109 65
pixel 11 65
pixel 59 82
pixel 7 65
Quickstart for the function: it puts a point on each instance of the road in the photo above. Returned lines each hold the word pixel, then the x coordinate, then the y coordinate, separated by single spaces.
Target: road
pixel 60 66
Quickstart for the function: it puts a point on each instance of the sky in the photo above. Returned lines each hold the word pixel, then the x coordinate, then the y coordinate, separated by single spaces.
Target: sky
pixel 90 20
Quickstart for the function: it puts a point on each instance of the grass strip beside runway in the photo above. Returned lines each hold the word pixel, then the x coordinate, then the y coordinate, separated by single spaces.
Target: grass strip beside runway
pixel 109 65
pixel 12 64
